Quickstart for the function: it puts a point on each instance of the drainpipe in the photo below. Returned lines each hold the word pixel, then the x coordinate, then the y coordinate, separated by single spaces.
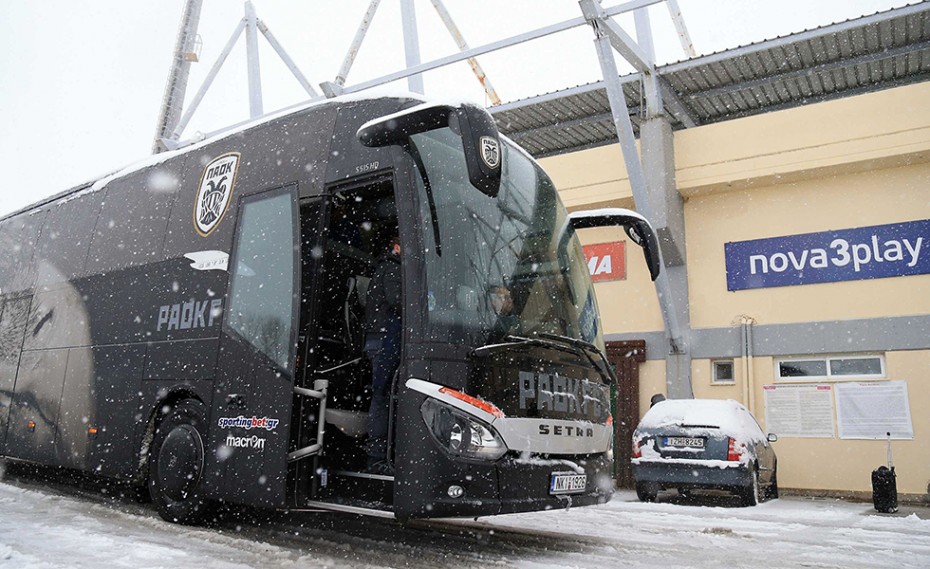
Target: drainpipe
pixel 751 378
pixel 746 352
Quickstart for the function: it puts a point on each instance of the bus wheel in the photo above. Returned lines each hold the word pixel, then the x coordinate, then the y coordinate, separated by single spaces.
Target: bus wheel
pixel 176 464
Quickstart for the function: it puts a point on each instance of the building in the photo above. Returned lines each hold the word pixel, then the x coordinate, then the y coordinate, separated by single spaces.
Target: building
pixel 802 189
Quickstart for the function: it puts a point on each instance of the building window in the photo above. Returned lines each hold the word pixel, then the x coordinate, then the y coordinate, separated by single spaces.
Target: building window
pixel 723 373
pixel 830 368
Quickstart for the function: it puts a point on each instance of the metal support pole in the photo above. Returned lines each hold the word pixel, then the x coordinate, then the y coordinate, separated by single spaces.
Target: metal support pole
pixel 411 44
pixel 463 46
pixel 176 88
pixel 279 49
pixel 357 43
pixel 678 373
pixel 633 166
pixel 255 73
pixel 182 124
pixel 654 106
pixel 686 44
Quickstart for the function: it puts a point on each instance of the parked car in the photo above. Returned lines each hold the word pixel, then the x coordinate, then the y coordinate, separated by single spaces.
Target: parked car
pixel 703 443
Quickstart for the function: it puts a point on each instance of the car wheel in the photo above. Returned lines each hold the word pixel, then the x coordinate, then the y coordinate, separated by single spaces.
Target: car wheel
pixel 176 464
pixel 647 491
pixel 750 494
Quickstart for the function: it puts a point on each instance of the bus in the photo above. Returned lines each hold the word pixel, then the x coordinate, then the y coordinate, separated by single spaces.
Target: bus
pixel 195 324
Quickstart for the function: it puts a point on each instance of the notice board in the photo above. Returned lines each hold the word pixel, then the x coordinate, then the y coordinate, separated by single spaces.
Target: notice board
pixel 799 410
pixel 870 410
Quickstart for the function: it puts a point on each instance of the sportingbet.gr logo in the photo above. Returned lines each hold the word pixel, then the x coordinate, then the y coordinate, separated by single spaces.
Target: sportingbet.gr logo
pixel 247 423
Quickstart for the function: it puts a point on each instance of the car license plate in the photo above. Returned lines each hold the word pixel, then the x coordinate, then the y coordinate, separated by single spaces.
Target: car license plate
pixel 567 483
pixel 686 442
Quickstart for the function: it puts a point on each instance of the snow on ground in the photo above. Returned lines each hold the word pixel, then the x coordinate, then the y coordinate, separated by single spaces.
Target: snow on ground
pixel 52 527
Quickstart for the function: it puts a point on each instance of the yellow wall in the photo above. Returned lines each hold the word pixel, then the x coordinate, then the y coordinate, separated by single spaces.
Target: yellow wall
pixel 848 163
pixel 838 464
pixel 629 304
pixel 836 202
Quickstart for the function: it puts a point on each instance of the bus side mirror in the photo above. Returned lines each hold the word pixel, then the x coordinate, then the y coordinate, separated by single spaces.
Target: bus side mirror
pixel 636 226
pixel 480 138
pixel 482 145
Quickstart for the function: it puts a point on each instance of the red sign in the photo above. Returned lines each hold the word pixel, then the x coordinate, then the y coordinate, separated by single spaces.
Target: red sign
pixel 606 261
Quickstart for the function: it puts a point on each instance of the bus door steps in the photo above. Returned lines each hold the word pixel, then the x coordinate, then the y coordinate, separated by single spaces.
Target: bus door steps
pixel 355 488
pixel 361 508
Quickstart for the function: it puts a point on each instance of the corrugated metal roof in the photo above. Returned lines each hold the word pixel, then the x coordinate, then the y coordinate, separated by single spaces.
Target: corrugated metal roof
pixel 874 52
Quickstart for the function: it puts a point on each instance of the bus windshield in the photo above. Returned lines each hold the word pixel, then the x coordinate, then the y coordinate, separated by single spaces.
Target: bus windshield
pixel 498 266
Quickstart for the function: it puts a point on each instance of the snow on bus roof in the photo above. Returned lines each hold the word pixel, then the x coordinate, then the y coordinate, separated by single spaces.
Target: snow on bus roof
pixel 98 183
pixel 156 159
pixel 727 416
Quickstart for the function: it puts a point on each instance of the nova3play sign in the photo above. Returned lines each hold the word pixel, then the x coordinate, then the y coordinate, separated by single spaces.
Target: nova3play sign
pixel 879 251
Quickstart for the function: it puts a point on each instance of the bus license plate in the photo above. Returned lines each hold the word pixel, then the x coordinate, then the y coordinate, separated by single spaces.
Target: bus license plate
pixel 686 442
pixel 567 483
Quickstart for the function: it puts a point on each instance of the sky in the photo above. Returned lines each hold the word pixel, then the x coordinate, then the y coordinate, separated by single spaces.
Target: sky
pixel 82 83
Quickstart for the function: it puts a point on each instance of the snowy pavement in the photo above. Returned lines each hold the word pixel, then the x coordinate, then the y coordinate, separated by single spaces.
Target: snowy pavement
pixel 52 526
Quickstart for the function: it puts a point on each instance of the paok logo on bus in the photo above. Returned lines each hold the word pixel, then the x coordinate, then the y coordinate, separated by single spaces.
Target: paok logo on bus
pixel 490 152
pixel 215 193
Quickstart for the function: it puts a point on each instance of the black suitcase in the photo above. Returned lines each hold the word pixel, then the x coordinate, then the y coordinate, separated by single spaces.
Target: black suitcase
pixel 885 486
pixel 885 490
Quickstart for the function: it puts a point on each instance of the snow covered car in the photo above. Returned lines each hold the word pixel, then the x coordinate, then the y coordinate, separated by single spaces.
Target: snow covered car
pixel 703 443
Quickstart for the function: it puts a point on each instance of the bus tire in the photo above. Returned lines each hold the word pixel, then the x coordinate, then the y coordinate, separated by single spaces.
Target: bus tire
pixel 176 464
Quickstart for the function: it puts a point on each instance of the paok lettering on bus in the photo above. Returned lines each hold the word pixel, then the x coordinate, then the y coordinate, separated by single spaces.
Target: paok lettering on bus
pixel 844 253
pixel 190 314
pixel 560 393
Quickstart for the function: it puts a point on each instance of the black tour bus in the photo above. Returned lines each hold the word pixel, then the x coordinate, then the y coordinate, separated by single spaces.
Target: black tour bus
pixel 196 324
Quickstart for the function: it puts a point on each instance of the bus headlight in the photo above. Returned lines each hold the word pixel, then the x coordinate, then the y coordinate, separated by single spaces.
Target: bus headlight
pixel 460 434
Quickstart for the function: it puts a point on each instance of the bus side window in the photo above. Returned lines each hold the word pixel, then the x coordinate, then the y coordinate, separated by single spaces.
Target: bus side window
pixel 262 282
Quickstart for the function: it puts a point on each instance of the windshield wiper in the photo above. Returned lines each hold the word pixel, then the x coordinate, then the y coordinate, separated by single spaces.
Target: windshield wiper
pixel 588 349
pixel 421 167
pixel 521 342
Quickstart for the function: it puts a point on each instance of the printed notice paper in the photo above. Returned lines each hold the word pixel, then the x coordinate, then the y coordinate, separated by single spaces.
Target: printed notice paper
pixel 799 410
pixel 870 410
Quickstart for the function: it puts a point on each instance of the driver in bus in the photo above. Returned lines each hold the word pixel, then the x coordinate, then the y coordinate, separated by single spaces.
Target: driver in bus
pixel 382 345
pixel 502 304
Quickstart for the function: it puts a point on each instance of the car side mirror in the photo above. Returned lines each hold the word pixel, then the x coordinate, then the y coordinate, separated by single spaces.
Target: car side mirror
pixel 772 437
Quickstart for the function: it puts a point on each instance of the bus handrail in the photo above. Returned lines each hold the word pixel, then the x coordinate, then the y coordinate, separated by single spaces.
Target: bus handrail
pixel 320 387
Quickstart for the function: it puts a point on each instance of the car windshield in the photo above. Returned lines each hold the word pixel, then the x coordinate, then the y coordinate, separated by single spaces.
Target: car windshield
pixel 498 266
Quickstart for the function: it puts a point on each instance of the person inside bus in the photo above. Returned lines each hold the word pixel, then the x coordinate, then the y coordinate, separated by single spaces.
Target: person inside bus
pixel 382 345
pixel 502 303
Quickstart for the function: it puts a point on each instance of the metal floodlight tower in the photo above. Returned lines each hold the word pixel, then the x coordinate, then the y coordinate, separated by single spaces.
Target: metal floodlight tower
pixel 176 88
